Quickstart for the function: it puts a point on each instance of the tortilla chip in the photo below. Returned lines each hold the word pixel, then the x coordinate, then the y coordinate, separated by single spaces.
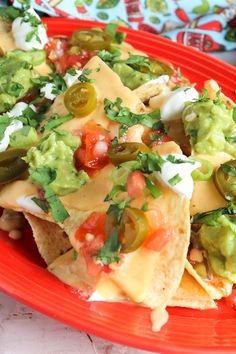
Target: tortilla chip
pixel 51 240
pixel 191 294
pixel 71 269
pixel 151 89
pixel 215 293
pixel 153 281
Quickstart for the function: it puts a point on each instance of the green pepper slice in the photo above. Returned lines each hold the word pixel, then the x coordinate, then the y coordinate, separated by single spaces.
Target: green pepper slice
pixel 81 99
pixel 134 229
pixel 126 152
pixel 11 165
pixel 204 172
pixel 225 179
pixel 91 39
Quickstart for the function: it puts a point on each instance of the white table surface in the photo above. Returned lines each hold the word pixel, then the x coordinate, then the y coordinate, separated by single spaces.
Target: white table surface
pixel 25 331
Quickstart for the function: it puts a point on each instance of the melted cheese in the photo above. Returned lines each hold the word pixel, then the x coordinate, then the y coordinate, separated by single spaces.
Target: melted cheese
pixel 206 195
pixel 135 273
pixel 92 193
pixel 107 85
pixel 159 317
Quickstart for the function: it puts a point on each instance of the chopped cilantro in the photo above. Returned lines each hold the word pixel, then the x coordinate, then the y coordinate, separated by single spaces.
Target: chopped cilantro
pixel 74 255
pixel 173 159
pixel 84 76
pixel 175 180
pixel 145 207
pixel 153 189
pixel 55 121
pixel 150 162
pixel 71 71
pixel 44 176
pixel 123 130
pixel 114 141
pixel 109 253
pixel 9 13
pixel 30 35
pixel 123 115
pixel 210 217
pixel 30 117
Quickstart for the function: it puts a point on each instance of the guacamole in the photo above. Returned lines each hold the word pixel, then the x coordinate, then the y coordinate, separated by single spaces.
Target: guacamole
pixel 15 81
pixel 210 126
pixel 220 243
pixel 56 151
pixel 131 77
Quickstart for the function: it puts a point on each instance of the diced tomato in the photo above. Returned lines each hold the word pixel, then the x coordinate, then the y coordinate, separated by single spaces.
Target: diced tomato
pixel 79 60
pixel 57 50
pixel 92 234
pixel 95 225
pixel 158 239
pixel 93 152
pixel 135 184
pixel 156 137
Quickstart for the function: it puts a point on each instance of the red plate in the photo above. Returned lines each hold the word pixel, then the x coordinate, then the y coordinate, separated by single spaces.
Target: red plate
pixel 23 275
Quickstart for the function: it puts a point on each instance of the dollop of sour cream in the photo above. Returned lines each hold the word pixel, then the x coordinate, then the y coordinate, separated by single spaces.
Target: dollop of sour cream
pixel 27 33
pixel 12 127
pixel 183 170
pixel 163 79
pixel 171 103
pixel 27 203
pixel 18 109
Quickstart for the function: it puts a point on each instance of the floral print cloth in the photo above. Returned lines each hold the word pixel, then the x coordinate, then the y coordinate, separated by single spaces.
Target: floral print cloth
pixel 207 25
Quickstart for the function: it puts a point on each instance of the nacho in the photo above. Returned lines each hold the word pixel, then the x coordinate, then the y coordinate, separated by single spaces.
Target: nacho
pixel 99 172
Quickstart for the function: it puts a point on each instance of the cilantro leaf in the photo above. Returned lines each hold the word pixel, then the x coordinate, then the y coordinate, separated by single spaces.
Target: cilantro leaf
pixel 173 159
pixel 55 121
pixel 210 217
pixel 44 176
pixel 109 253
pixel 84 76
pixel 150 162
pixel 123 115
pixel 9 13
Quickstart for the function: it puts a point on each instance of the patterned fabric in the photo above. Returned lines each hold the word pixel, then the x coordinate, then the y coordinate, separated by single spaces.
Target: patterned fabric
pixel 207 25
